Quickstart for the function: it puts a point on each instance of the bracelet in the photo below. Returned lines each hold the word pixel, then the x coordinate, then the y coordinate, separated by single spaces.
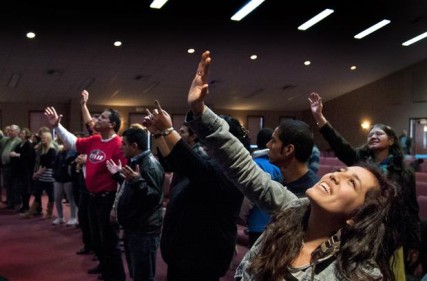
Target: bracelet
pixel 164 133
pixel 167 131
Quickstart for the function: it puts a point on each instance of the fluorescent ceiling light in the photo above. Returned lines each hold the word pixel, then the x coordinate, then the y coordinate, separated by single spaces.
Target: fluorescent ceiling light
pixel 415 39
pixel 371 29
pixel 315 19
pixel 249 7
pixel 157 4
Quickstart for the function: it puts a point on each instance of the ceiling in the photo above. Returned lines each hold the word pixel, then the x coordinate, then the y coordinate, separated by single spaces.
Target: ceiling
pixel 73 50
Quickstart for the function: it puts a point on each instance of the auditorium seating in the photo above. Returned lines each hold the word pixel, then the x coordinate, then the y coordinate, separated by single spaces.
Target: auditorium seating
pixel 423 166
pixel 421 176
pixel 328 165
pixel 422 202
pixel 166 188
pixel 421 188
pixel 324 169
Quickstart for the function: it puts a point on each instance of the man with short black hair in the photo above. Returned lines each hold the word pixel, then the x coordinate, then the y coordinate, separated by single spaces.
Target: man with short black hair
pixel 138 203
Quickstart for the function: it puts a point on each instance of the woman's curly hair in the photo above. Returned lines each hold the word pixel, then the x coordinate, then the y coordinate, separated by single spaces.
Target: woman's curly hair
pixel 368 242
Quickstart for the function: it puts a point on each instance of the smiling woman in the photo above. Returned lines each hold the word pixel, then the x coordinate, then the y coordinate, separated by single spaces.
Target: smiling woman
pixel 351 201
pixel 383 148
pixel 343 191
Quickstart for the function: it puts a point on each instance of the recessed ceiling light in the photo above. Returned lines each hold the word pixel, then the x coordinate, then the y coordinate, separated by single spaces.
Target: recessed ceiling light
pixel 191 51
pixel 315 19
pixel 307 62
pixel 254 57
pixel 353 67
pixel 31 35
pixel 373 28
pixel 117 43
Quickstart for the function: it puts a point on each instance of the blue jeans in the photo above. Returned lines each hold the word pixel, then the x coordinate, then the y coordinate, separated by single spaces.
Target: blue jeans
pixel 140 251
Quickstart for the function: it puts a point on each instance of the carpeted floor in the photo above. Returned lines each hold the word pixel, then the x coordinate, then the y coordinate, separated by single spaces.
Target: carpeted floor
pixel 35 250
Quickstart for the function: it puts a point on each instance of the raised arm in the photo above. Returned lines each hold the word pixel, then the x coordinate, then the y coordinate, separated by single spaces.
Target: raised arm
pixel 159 123
pixel 52 117
pixel 316 106
pixel 199 87
pixel 54 120
pixel 87 118
pixel 228 151
pixel 341 147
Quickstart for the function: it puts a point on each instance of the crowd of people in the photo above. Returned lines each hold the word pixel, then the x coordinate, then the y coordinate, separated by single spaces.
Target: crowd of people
pixel 358 223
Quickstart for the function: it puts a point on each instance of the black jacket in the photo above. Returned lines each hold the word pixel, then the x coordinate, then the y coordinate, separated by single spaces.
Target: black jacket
pixel 201 215
pixel 140 205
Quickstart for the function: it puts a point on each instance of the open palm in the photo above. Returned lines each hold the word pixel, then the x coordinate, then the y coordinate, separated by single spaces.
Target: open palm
pixel 199 87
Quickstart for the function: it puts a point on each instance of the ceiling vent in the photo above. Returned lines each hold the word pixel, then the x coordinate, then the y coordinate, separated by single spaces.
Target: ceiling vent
pixel 55 72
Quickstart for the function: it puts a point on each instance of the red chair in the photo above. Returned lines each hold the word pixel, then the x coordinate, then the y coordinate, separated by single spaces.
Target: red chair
pixel 421 188
pixel 422 202
pixel 333 161
pixel 423 166
pixel 166 188
pixel 421 176
pixel 324 169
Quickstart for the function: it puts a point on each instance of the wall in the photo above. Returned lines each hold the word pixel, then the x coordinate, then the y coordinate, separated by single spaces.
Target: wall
pixel 18 113
pixel 392 100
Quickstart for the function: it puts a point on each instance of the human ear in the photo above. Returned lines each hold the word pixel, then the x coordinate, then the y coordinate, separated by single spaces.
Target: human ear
pixel 135 145
pixel 289 149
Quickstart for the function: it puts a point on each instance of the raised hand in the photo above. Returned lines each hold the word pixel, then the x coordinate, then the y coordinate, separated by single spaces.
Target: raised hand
pixel 52 117
pixel 84 97
pixel 199 87
pixel 158 120
pixel 148 122
pixel 316 107
pixel 316 104
pixel 162 119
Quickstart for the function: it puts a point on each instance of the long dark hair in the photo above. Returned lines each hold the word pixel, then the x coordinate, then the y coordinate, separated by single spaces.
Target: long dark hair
pixel 398 171
pixel 368 242
pixel 237 130
pixel 395 149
